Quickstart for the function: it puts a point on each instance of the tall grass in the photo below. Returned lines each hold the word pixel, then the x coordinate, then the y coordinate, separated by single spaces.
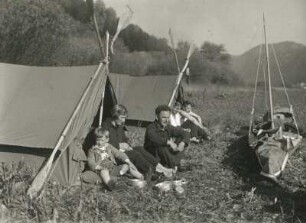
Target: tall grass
pixel 222 176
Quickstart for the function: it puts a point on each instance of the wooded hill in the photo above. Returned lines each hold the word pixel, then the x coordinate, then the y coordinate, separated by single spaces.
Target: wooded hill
pixel 291 57
pixel 61 33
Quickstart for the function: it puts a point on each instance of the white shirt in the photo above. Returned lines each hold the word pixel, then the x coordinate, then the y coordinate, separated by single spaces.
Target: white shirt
pixel 175 119
pixel 103 152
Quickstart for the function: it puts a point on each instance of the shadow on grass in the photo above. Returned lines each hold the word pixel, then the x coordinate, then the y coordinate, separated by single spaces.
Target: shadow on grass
pixel 242 160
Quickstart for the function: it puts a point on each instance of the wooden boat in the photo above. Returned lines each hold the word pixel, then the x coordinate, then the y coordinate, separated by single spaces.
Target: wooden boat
pixel 276 135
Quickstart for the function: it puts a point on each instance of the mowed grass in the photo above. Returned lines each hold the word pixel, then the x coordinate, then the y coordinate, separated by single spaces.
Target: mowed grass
pixel 222 175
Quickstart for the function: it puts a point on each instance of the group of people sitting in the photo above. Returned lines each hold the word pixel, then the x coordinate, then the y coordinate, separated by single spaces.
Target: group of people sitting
pixel 164 144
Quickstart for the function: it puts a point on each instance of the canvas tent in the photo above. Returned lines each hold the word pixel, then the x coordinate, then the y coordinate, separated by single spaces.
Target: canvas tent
pixel 142 94
pixel 35 105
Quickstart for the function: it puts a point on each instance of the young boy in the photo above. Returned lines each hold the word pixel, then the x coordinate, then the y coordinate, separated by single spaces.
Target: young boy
pixel 193 122
pixel 102 159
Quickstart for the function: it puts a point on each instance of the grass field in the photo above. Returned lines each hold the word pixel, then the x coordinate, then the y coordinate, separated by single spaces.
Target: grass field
pixel 222 175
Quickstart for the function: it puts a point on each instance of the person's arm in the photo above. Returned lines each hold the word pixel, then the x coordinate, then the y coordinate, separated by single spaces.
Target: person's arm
pixel 124 145
pixel 91 160
pixel 199 119
pixel 118 154
pixel 155 139
pixel 125 136
pixel 195 121
pixel 179 132
pixel 190 118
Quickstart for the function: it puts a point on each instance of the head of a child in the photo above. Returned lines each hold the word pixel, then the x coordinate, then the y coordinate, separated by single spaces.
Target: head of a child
pixel 102 136
pixel 187 106
pixel 119 114
pixel 176 107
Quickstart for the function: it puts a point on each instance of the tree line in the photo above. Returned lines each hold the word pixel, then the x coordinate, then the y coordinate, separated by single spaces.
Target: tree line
pixel 61 33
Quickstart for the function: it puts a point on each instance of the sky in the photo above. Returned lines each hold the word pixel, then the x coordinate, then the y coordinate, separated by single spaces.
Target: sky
pixel 235 23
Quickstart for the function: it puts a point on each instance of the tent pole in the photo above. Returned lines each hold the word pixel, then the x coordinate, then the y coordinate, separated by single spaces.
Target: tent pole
pixel 269 75
pixel 180 75
pixel 106 61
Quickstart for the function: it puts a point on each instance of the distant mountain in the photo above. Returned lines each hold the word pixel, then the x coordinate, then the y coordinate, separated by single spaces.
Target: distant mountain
pixel 291 57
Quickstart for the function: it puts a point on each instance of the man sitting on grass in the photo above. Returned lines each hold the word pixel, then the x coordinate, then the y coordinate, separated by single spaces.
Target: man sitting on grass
pixel 193 122
pixel 102 159
pixel 164 141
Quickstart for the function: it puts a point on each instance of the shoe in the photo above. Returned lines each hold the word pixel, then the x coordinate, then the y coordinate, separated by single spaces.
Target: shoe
pixel 148 175
pixel 194 139
pixel 168 174
pixel 111 185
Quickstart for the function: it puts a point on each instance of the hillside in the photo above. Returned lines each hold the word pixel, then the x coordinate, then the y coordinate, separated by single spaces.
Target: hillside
pixel 291 56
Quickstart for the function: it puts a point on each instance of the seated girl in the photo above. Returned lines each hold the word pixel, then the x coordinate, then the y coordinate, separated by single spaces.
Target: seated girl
pixel 102 160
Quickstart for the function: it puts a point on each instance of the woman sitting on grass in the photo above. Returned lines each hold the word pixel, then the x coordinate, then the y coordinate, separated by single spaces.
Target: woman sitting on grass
pixel 102 159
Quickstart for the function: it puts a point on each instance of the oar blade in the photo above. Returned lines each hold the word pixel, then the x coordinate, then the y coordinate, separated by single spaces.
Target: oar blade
pixel 39 180
pixel 90 5
pixel 123 22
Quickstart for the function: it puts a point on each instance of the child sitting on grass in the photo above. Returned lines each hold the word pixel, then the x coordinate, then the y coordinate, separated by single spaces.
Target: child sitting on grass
pixel 102 159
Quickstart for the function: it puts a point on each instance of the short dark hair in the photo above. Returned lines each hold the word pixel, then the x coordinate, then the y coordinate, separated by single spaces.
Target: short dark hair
pixel 186 103
pixel 118 110
pixel 99 132
pixel 177 103
pixel 161 108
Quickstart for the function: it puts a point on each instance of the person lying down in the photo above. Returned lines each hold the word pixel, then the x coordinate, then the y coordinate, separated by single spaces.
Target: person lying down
pixel 102 160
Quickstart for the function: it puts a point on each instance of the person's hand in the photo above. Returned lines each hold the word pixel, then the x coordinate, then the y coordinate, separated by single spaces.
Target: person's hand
pixel 181 146
pixel 172 144
pixel 123 146
pixel 98 167
pixel 129 148
pixel 131 165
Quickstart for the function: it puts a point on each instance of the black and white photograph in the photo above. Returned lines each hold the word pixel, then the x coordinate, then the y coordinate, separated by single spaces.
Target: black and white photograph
pixel 153 111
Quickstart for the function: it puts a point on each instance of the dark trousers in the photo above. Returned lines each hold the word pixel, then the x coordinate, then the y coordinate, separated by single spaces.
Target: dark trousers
pixel 195 131
pixel 166 156
pixel 142 159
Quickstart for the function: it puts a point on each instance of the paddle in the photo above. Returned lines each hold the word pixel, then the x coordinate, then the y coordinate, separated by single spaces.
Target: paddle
pixel 123 22
pixel 180 75
pixel 92 13
pixel 174 51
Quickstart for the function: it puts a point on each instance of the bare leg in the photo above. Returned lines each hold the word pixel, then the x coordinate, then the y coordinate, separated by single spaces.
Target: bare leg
pixel 104 174
pixel 124 169
pixel 111 184
pixel 135 173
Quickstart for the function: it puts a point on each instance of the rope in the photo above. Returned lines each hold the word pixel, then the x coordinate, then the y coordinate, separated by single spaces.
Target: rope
pixel 281 75
pixel 255 89
pixel 265 80
pixel 286 92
